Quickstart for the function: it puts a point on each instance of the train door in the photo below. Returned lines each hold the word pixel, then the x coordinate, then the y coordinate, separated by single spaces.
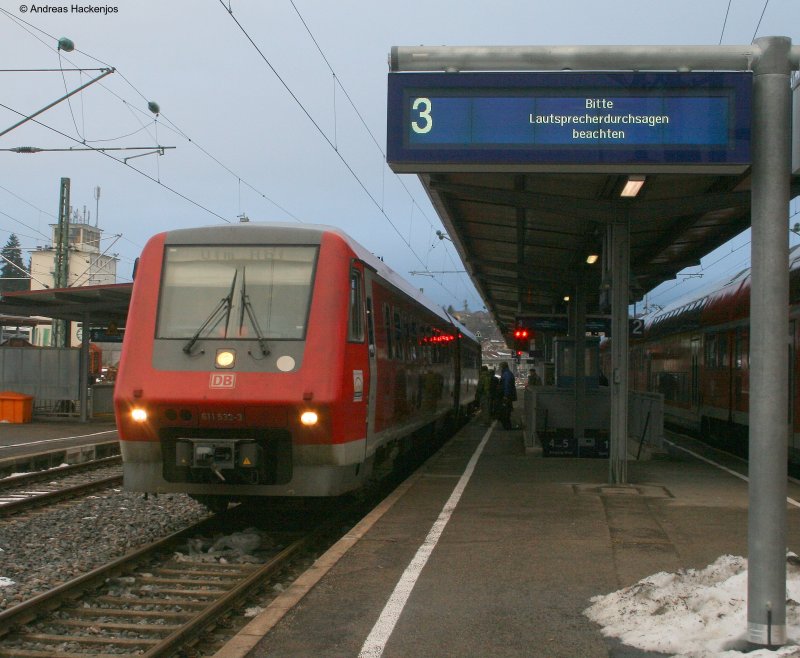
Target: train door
pixel 372 349
pixel 695 374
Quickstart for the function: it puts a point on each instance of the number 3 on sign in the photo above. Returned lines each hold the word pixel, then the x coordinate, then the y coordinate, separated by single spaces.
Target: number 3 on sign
pixel 425 122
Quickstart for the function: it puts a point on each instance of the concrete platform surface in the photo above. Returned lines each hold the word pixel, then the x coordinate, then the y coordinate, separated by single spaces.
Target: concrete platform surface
pixel 41 436
pixel 530 541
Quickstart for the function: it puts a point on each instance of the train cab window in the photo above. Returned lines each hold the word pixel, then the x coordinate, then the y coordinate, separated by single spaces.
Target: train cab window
pixel 232 291
pixel 355 333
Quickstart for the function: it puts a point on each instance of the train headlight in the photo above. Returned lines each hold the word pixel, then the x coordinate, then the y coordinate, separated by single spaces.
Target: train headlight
pixel 225 358
pixel 139 415
pixel 309 418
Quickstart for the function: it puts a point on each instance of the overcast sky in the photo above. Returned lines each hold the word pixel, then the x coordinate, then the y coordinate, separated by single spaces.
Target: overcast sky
pixel 273 135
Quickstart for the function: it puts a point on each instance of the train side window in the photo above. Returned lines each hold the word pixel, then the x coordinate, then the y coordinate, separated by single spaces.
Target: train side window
pixel 370 327
pixel 398 335
pixel 711 351
pixel 355 332
pixel 387 324
pixel 740 349
pixel 722 350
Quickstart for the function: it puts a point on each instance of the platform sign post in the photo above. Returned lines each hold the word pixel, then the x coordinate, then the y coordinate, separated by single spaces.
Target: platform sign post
pixel 619 243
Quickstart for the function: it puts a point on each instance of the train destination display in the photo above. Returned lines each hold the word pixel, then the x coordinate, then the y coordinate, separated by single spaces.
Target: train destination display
pixel 448 119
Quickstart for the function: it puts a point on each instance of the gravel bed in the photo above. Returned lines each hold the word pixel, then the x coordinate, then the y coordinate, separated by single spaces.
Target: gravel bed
pixel 51 547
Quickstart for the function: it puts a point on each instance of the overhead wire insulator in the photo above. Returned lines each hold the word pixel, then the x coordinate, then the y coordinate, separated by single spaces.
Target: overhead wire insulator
pixel 26 149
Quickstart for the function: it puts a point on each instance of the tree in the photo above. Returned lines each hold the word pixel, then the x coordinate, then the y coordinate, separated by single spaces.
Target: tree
pixel 13 271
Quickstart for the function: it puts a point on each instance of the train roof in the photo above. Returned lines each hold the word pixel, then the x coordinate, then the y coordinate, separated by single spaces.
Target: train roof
pixel 303 233
pixel 715 290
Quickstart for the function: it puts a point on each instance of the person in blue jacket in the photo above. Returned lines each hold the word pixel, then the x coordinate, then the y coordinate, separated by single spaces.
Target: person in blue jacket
pixel 508 388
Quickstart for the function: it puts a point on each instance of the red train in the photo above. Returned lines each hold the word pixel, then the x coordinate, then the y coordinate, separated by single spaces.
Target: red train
pixel 696 353
pixel 278 360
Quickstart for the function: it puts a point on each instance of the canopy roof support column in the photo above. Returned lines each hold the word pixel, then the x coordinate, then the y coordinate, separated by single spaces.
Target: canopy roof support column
pixel 769 324
pixel 620 275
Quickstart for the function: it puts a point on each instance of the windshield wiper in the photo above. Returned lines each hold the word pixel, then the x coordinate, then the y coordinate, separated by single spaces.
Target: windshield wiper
pixel 248 307
pixel 225 305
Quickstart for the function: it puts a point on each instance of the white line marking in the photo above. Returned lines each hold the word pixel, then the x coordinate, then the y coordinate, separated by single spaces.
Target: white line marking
pixel 791 501
pixel 63 438
pixel 384 627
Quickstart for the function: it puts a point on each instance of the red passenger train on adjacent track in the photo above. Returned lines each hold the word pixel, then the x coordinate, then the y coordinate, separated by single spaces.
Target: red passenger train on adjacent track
pixel 696 352
pixel 279 360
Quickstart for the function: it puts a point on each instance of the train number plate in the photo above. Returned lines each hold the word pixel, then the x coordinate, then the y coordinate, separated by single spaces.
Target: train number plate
pixel 223 417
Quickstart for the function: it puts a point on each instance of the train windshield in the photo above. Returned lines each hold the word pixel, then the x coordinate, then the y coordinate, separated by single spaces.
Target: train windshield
pixel 236 292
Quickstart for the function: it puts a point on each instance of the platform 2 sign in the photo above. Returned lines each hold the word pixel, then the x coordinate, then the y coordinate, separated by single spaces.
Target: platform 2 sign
pixel 438 121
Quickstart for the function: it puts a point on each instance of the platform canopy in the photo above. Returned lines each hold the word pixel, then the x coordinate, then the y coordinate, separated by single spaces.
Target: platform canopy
pixel 525 238
pixel 525 228
pixel 102 304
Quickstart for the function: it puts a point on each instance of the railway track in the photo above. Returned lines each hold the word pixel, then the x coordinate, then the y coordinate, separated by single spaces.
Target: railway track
pixel 159 599
pixel 29 490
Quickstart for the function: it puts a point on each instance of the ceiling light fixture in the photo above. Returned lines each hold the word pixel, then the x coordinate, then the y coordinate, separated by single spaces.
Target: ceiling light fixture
pixel 633 186
pixel 591 259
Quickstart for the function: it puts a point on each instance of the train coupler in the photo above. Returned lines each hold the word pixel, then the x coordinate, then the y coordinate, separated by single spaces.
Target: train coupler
pixel 224 458
pixel 232 461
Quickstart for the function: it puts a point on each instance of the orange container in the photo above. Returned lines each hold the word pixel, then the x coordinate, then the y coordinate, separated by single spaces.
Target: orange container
pixel 15 407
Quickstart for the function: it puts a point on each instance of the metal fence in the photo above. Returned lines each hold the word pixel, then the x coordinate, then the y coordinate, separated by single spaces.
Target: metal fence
pixel 49 374
pixel 548 407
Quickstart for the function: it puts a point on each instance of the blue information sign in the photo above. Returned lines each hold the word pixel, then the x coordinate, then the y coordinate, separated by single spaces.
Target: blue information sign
pixel 441 120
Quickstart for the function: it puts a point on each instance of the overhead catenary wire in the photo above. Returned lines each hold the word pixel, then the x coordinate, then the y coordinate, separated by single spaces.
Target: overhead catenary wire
pixel 725 21
pixel 327 139
pixel 337 81
pixel 761 18
pixel 19 221
pixel 138 171
pixel 69 102
pixel 32 30
pixel 727 272
pixel 83 138
pixel 97 260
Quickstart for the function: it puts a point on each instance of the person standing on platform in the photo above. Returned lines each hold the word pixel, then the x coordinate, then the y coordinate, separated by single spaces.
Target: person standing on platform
pixel 495 394
pixel 484 395
pixel 508 389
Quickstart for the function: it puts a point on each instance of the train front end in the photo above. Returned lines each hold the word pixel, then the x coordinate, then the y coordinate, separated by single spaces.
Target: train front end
pixel 230 382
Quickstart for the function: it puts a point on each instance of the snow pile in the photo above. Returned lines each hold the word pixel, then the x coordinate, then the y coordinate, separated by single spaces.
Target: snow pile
pixel 693 613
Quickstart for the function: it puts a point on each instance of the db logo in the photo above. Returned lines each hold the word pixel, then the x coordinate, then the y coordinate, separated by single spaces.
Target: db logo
pixel 222 380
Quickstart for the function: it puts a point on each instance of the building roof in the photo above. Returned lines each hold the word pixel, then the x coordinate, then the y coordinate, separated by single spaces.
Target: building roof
pixel 98 304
